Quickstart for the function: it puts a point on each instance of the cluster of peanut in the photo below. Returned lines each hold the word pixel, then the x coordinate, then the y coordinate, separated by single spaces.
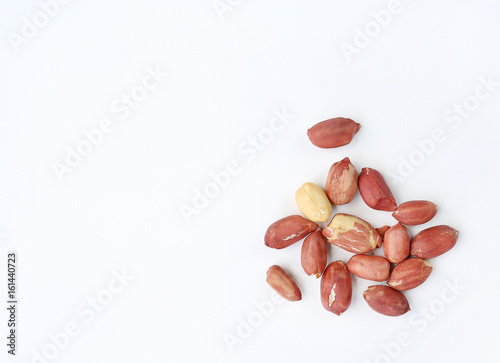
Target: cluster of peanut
pixel 356 235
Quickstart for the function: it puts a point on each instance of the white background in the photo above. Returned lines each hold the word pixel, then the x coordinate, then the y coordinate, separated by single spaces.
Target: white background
pixel 195 281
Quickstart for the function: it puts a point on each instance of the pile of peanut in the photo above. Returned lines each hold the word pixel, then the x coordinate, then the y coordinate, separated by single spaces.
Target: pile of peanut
pixel 404 266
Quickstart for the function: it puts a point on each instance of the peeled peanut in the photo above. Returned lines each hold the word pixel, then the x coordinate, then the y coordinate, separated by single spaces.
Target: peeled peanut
pixel 313 202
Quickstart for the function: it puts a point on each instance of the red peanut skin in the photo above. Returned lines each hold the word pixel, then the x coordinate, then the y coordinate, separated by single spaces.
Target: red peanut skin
pixel 387 301
pixel 342 182
pixel 356 240
pixel 332 133
pixel 283 284
pixel 313 254
pixel 409 274
pixel 381 231
pixel 287 231
pixel 374 268
pixel 336 277
pixel 415 212
pixel 434 241
pixel 397 243
pixel 375 191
